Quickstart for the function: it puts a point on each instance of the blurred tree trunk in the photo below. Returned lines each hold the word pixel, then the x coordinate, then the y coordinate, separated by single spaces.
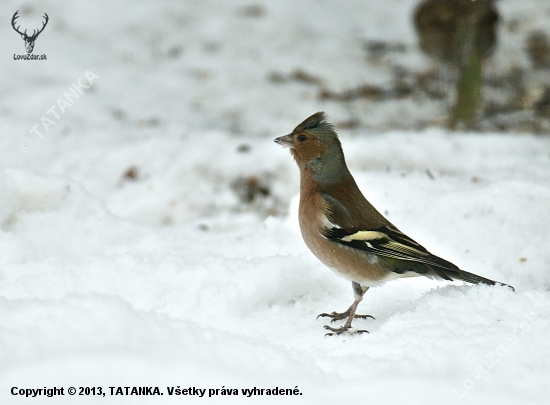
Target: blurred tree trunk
pixel 460 33
pixel 468 97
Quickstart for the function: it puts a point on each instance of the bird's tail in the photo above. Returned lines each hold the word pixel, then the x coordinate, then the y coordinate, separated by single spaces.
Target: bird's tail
pixel 457 274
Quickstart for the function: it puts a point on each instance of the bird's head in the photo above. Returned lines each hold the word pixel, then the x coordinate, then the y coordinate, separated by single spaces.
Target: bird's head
pixel 315 146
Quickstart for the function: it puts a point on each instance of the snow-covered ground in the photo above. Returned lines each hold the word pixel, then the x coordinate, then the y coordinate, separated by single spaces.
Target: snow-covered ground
pixel 133 256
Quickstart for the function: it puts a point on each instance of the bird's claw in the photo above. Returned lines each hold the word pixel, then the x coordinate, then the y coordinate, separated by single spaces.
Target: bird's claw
pixel 364 316
pixel 345 328
pixel 336 316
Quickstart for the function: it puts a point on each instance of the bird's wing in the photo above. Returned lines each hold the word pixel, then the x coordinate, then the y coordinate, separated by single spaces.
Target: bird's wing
pixel 372 233
pixel 389 242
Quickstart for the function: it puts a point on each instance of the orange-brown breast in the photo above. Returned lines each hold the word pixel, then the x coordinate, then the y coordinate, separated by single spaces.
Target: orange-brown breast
pixel 350 263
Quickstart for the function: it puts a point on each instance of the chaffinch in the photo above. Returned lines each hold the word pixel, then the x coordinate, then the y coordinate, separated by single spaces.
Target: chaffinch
pixel 345 231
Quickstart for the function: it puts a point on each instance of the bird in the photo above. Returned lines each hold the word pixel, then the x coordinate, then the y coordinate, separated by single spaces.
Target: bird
pixel 345 232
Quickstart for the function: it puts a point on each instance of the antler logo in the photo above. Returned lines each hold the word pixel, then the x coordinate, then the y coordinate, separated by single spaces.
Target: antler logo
pixel 29 39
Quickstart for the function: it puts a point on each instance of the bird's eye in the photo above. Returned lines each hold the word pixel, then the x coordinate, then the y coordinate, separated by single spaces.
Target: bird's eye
pixel 302 138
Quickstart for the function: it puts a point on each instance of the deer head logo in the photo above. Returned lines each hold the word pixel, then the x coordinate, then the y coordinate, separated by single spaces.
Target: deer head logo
pixel 29 39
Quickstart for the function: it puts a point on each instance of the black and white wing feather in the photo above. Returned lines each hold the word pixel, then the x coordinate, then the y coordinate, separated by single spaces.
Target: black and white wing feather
pixel 391 243
pixel 388 242
pixel 366 230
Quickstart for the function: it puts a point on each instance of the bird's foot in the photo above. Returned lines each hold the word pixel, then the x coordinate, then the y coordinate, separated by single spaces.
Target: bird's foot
pixel 337 316
pixel 345 328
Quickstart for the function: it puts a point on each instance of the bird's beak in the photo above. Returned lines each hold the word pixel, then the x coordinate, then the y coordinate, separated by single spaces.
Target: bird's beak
pixel 285 140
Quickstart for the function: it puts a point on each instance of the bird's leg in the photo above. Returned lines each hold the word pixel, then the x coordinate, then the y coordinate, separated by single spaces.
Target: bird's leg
pixel 358 291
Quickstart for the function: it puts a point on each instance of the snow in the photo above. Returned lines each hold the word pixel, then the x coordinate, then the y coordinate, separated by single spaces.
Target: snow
pixel 130 258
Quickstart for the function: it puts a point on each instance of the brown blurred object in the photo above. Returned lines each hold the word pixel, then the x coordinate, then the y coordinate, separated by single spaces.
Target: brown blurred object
pixel 249 188
pixel 364 91
pixel 439 27
pixel 542 106
pixel 538 49
pixel 131 174
pixel 461 33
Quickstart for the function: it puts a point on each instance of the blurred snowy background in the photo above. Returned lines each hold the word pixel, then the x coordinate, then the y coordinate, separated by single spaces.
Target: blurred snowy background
pixel 150 237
